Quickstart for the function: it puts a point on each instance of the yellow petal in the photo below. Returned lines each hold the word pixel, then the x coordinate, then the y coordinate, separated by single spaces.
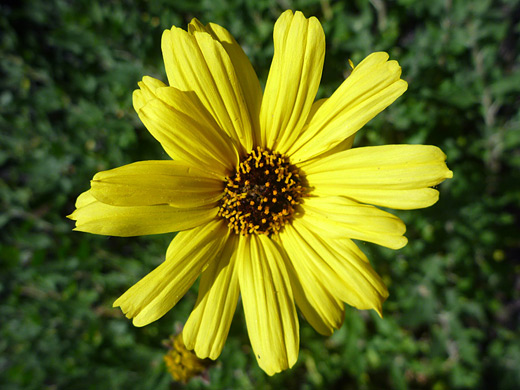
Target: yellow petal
pixel 294 78
pixel 372 86
pixel 338 217
pixel 93 216
pixel 396 176
pixel 191 130
pixel 314 109
pixel 185 135
pixel 84 199
pixel 343 145
pixel 339 264
pixel 196 62
pixel 319 307
pixel 272 323
pixel 208 325
pixel 148 183
pixel 246 76
pixel 188 254
pixel 146 91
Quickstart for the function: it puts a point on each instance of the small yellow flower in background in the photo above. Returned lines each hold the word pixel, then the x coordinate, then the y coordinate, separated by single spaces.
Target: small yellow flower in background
pixel 264 189
pixel 182 363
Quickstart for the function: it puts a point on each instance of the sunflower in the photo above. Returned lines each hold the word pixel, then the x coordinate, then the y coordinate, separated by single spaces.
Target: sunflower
pixel 265 189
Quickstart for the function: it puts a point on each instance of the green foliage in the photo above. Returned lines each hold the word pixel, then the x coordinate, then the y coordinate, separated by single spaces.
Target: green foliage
pixel 67 72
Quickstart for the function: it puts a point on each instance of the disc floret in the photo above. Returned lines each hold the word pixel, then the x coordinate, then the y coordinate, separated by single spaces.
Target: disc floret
pixel 261 196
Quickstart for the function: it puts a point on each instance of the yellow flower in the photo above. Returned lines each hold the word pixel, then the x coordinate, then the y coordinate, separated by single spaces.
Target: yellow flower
pixel 264 189
pixel 182 363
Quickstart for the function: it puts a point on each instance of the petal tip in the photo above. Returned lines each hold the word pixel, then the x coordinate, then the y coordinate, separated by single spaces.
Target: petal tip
pixel 403 84
pixel 166 33
pixel 404 242
pixel 140 322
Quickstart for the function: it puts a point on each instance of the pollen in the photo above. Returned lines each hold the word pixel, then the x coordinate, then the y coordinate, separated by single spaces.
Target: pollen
pixel 261 196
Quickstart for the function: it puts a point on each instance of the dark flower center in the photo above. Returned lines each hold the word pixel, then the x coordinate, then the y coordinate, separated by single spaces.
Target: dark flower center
pixel 261 196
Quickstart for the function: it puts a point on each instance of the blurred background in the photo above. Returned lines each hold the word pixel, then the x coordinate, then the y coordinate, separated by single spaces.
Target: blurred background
pixel 67 72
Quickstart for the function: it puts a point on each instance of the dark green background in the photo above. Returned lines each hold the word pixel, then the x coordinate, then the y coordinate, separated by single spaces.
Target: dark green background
pixel 67 71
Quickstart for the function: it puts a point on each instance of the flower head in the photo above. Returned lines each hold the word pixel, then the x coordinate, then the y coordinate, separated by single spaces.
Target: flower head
pixel 182 363
pixel 264 189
